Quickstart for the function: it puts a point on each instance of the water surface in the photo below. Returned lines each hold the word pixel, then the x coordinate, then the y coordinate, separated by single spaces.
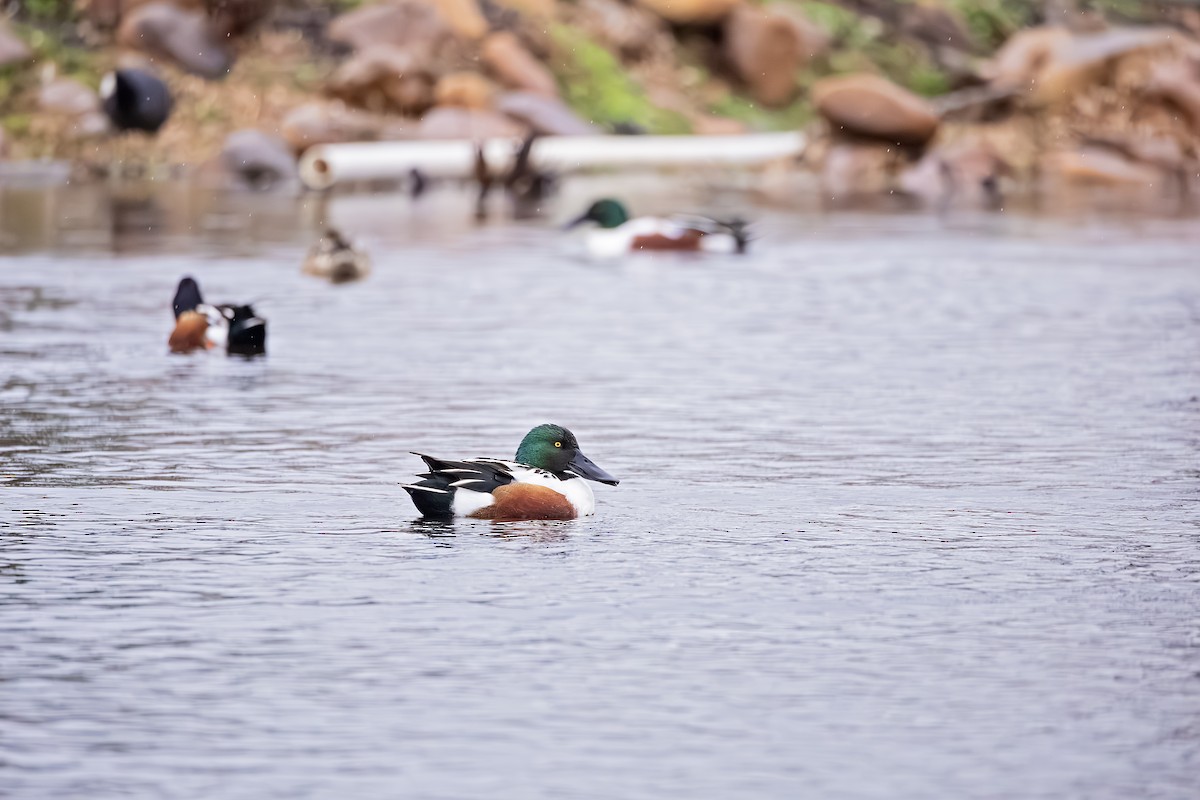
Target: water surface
pixel 908 509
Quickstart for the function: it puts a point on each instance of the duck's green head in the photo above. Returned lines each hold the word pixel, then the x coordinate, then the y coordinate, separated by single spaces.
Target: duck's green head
pixel 607 213
pixel 554 449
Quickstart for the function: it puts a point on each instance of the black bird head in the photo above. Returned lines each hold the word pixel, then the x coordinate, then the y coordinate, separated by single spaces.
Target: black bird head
pixel 187 296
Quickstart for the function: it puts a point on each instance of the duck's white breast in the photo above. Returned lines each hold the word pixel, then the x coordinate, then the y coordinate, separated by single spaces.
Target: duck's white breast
pixel 576 490
pixel 616 242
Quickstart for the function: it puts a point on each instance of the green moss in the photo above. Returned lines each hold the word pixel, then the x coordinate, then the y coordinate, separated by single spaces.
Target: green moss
pixel 72 61
pixel 49 10
pixel 598 88
pixel 743 109
pixel 864 44
pixel 992 21
pixel 17 124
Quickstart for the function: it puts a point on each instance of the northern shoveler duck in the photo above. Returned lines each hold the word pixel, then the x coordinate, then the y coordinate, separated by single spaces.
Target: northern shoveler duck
pixel 135 100
pixel 545 481
pixel 336 260
pixel 618 234
pixel 199 325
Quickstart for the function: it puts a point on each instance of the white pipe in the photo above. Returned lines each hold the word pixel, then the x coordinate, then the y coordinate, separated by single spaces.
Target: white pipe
pixel 324 165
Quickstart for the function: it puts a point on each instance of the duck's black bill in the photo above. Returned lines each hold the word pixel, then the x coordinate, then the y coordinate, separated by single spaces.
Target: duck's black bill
pixel 575 223
pixel 582 466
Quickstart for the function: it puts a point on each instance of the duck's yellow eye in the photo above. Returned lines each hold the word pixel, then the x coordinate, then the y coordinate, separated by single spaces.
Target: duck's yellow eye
pixel 558 444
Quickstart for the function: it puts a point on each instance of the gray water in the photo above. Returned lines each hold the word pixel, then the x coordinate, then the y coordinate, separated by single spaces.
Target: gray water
pixel 908 510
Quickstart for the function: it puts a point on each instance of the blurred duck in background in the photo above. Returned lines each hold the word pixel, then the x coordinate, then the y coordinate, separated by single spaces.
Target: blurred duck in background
pixel 200 326
pixel 616 233
pixel 336 260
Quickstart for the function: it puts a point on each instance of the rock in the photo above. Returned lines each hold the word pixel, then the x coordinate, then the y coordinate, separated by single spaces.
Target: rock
pixel 856 169
pixel 631 31
pixel 537 8
pixel 100 13
pixel 410 25
pixel 516 67
pixel 690 12
pixel 934 25
pixel 89 125
pixel 12 49
pixel 258 160
pixel 384 78
pixel 1024 55
pixel 874 107
pixel 465 90
pixel 464 17
pixel 1081 60
pixel 766 49
pixel 185 37
pixel 1092 166
pixel 547 116
pixel 1177 82
pixel 67 97
pixel 231 18
pixel 109 13
pixel 1161 152
pixel 969 172
pixel 327 123
pixel 465 123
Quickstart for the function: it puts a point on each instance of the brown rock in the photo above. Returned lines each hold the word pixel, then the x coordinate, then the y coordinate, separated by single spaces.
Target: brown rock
pixel 67 97
pixel 766 48
pixel 547 116
pixel 1082 60
pixel 934 25
pixel 536 8
pixel 968 171
pixel 465 90
pixel 633 32
pixel 690 12
pixel 516 67
pixel 12 49
pixel 258 160
pixel 1091 166
pixel 1166 154
pixel 328 123
pixel 411 25
pixel 1024 55
pixel 874 107
pixel 384 78
pixel 109 13
pixel 89 125
pixel 856 169
pixel 237 17
pixel 182 36
pixel 1178 83
pixel 464 17
pixel 465 123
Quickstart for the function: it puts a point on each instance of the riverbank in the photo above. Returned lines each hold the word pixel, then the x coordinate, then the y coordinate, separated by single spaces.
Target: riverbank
pixel 932 99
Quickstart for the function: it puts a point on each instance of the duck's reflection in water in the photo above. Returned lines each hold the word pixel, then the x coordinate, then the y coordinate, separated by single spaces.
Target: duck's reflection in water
pixel 445 530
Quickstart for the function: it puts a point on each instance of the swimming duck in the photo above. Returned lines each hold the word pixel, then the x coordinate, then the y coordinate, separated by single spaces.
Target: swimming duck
pixel 618 234
pixel 199 325
pixel 135 100
pixel 545 481
pixel 336 260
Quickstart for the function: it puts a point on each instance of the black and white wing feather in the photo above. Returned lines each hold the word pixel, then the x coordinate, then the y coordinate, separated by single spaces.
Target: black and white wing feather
pixel 434 493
